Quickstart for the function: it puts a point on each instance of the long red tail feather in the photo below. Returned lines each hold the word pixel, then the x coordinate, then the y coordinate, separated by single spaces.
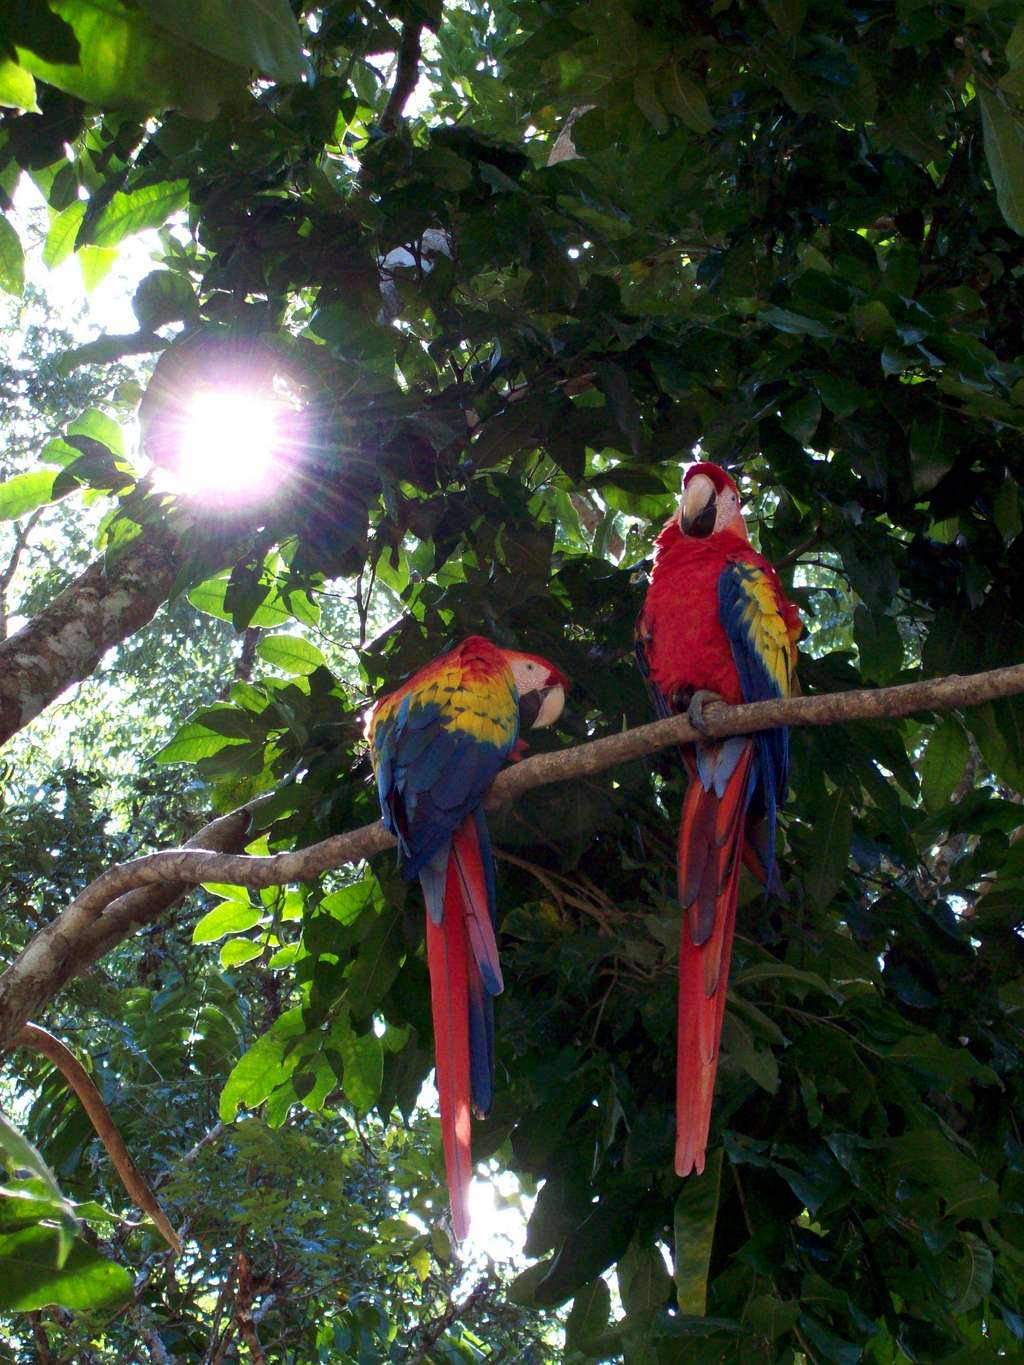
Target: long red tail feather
pixel 711 834
pixel 447 961
pixel 468 859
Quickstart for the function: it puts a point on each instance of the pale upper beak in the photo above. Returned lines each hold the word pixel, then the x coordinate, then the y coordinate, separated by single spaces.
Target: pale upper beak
pixel 699 507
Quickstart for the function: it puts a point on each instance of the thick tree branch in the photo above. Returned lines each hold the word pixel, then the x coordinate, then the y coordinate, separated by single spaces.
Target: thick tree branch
pixel 406 76
pixel 38 1040
pixel 243 1311
pixel 83 931
pixel 65 642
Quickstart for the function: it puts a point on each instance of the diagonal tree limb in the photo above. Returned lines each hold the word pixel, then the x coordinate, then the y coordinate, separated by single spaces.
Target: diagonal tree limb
pixel 81 932
pixel 39 1040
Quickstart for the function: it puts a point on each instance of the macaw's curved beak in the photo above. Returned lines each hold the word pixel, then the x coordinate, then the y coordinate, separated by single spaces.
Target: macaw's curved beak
pixel 699 507
pixel 540 707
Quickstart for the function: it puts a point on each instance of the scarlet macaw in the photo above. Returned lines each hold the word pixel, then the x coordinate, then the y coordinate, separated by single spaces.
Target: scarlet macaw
pixel 715 622
pixel 437 744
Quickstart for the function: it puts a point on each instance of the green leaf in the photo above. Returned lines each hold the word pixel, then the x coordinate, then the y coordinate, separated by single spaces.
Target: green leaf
pixel 230 917
pixel 588 1319
pixel 274 610
pixel 230 721
pixel 955 1066
pixel 363 1059
pixel 998 727
pixel 927 1157
pixel 873 322
pixel 841 396
pixel 95 263
pixel 191 743
pixel 647 102
pixel 239 950
pixel 350 902
pixel 787 15
pixel 931 454
pixel 148 207
pixel 20 1155
pixel 265 1066
pixel 588 1250
pixel 973 1199
pixel 261 34
pixel 60 240
pixel 771 1317
pixel 1015 44
pixel 878 644
pixel 32 1274
pixel 12 260
pixel 228 891
pixel 17 88
pixel 644 1283
pixel 25 492
pixel 833 829
pixel 163 296
pixel 290 653
pixel 683 97
pixel 973 1283
pixel 801 418
pixel 943 763
pixel 833 1349
pixel 758 1061
pixel 375 968
pixel 769 971
pixel 1006 509
pixel 785 320
pixel 125 62
pixel 1003 133
pixel 694 1219
pixel 95 424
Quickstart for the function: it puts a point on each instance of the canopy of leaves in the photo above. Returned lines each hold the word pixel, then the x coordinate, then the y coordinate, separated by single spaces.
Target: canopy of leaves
pixel 596 239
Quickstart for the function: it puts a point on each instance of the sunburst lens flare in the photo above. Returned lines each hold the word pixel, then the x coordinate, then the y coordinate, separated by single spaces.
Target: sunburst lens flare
pixel 231 445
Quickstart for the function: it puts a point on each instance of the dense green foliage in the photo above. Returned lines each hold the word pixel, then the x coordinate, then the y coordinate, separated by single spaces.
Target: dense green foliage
pixel 786 234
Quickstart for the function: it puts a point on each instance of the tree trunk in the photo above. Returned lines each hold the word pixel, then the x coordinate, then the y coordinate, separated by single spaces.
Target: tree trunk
pixel 66 641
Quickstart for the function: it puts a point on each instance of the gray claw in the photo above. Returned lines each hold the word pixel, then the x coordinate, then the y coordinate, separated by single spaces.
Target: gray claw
pixel 695 711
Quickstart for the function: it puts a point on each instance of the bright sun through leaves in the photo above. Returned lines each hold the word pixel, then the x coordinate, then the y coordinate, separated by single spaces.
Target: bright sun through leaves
pixel 231 443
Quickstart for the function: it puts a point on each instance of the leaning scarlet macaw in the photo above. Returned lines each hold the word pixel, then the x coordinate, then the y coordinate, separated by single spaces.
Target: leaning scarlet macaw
pixel 715 622
pixel 437 744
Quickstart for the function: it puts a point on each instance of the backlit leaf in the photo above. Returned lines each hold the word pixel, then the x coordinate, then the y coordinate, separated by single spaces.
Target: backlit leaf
pixel 290 653
pixel 148 207
pixel 230 917
pixel 25 492
pixel 12 260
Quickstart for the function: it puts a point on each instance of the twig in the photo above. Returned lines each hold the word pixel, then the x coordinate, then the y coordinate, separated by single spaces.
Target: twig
pixel 58 951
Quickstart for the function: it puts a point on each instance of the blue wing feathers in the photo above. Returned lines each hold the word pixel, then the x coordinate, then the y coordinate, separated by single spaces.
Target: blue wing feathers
pixel 739 611
pixel 483 835
pixel 481 1042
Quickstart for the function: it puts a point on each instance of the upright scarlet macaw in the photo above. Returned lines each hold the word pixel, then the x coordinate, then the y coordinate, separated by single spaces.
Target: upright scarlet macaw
pixel 715 622
pixel 437 744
